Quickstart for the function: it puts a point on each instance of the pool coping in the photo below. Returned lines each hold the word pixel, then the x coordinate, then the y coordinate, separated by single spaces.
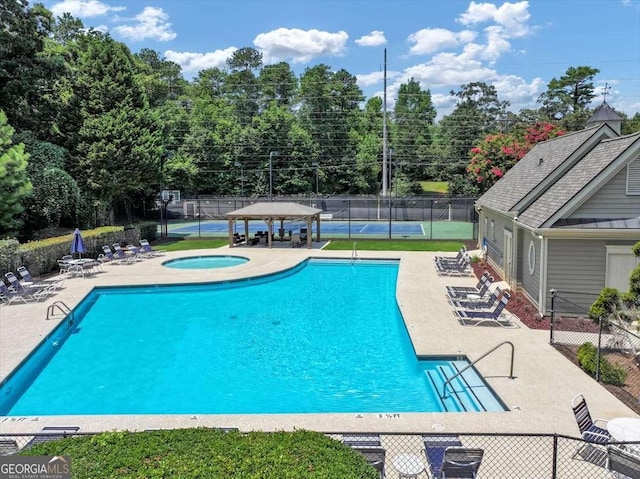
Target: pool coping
pixel 539 398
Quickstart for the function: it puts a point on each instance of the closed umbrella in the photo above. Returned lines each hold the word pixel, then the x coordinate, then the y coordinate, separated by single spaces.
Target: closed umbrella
pixel 77 243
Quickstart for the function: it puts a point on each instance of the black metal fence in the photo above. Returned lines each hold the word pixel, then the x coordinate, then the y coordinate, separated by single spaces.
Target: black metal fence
pixel 616 343
pixel 434 217
pixel 421 455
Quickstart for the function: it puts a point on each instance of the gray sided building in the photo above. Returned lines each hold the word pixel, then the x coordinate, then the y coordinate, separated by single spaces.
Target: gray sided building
pixel 567 214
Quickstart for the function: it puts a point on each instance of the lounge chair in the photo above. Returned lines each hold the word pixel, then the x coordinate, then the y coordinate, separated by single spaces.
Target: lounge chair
pixel 118 254
pixel 362 440
pixel 593 432
pixel 485 318
pixel 477 303
pixel 8 447
pixel 8 296
pixel 29 281
pixel 434 447
pixel 137 253
pixel 296 241
pixel 146 247
pixel 589 428
pixel 461 463
pixel 51 433
pixel 29 293
pixel 375 456
pixel 303 234
pixel 462 291
pixel 461 268
pixel 451 259
pixel 624 463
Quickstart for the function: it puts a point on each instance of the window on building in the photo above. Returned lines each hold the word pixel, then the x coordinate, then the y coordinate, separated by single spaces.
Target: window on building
pixel 633 177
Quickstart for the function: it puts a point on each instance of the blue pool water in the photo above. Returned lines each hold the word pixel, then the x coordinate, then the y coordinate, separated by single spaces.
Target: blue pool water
pixel 325 336
pixel 205 262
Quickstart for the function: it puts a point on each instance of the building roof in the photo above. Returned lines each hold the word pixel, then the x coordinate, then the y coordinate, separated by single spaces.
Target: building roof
pixel 575 180
pixel 274 210
pixel 604 113
pixel 598 223
pixel 544 159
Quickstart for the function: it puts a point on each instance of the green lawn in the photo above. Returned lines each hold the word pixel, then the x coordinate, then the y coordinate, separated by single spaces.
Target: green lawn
pixel 437 187
pixel 391 245
pixel 187 244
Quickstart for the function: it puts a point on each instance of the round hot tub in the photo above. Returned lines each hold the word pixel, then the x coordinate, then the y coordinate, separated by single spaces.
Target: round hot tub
pixel 205 262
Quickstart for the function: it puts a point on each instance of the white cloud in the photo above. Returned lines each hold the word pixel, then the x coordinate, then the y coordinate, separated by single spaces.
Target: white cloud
pixel 195 62
pixel 100 28
pixel 83 8
pixel 431 40
pixel 151 23
pixel 373 78
pixel 374 39
pixel 511 17
pixel 299 46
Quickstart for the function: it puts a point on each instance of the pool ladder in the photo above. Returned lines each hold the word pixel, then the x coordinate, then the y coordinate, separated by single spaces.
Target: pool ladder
pixel 354 253
pixel 61 307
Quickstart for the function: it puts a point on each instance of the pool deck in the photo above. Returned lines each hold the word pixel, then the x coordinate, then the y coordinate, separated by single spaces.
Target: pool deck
pixel 539 398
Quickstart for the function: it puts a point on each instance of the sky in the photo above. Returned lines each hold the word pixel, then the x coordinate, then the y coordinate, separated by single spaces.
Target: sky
pixel 517 47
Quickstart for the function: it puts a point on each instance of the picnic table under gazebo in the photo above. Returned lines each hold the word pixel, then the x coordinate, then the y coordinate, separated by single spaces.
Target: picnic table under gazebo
pixel 270 212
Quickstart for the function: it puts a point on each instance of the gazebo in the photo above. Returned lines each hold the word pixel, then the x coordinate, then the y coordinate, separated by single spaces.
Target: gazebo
pixel 269 212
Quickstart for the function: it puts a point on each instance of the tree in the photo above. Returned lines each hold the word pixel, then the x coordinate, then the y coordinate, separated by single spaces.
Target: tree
pixel 54 199
pixel 567 98
pixel 631 125
pixel 497 153
pixel 242 84
pixel 278 84
pixel 14 183
pixel 117 157
pixel 161 79
pixel 25 74
pixel 414 114
pixel 478 113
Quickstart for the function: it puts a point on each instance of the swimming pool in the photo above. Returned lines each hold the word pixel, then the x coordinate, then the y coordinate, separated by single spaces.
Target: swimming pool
pixel 325 336
pixel 205 262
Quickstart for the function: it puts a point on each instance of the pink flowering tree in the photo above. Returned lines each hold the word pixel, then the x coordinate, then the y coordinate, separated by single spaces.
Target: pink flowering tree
pixel 497 153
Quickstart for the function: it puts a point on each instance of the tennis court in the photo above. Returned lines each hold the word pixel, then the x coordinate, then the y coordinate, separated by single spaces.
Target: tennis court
pixel 335 229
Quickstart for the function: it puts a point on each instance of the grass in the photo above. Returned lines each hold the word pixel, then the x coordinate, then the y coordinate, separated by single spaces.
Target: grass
pixel 391 245
pixel 437 187
pixel 188 244
pixel 210 453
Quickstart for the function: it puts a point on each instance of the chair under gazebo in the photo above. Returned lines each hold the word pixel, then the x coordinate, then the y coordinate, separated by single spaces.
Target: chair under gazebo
pixel 271 212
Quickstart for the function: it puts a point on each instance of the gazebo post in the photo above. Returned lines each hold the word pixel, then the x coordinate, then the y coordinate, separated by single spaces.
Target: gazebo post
pixel 269 231
pixel 231 242
pixel 246 230
pixel 309 229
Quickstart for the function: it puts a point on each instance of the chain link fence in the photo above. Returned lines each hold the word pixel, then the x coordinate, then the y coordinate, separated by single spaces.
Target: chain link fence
pixel 422 455
pixel 411 217
pixel 616 343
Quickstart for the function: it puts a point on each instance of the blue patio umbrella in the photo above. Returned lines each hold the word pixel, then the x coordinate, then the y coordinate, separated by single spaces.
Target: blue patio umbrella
pixel 77 243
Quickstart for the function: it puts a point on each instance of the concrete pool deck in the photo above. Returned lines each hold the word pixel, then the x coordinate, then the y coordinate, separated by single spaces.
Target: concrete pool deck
pixel 539 398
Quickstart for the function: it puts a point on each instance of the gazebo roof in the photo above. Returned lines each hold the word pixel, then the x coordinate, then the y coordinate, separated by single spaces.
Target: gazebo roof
pixel 274 210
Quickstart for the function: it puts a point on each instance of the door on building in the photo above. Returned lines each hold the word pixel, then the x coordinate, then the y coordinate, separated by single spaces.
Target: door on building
pixel 507 256
pixel 620 262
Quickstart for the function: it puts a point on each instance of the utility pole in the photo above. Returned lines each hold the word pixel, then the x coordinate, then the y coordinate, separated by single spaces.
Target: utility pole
pixel 384 128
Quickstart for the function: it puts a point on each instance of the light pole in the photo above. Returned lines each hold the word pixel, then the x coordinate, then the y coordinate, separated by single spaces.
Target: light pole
pixel 390 155
pixel 238 164
pixel 271 155
pixel 316 165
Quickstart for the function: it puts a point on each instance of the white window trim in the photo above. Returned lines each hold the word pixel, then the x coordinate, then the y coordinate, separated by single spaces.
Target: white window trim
pixel 492 236
pixel 532 255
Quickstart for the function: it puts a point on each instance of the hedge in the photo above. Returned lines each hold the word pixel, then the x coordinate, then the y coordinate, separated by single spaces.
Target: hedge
pixel 199 453
pixel 41 256
pixel 609 373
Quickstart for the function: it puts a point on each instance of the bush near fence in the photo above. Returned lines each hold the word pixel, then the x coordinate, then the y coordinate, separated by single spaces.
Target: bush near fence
pixel 41 256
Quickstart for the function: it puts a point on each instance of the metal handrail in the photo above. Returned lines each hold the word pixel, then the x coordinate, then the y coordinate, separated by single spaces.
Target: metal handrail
pixel 64 309
pixel 513 349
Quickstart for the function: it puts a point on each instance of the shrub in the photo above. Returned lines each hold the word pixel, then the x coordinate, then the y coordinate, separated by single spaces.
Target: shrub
pixel 197 453
pixel 604 305
pixel 609 373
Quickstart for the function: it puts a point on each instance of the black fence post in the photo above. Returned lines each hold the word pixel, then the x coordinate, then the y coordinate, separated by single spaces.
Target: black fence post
pixel 553 302
pixel 599 349
pixel 554 459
